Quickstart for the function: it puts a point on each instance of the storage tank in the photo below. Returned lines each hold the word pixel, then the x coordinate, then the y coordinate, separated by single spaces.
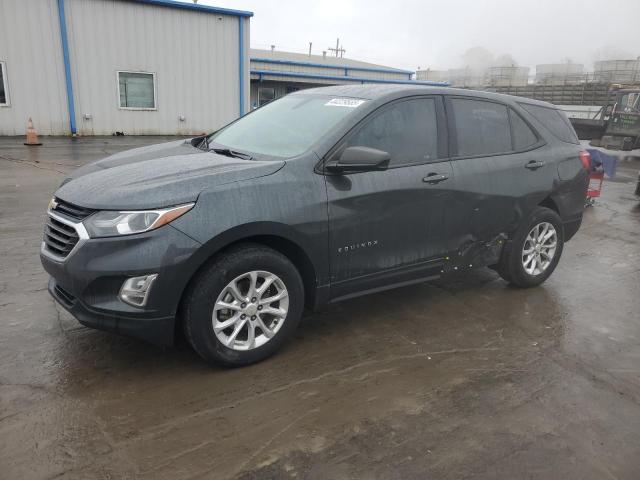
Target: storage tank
pixel 466 77
pixel 509 76
pixel 560 73
pixel 616 71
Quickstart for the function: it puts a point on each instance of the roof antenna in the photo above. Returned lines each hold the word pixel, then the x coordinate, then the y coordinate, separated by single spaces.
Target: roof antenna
pixel 338 49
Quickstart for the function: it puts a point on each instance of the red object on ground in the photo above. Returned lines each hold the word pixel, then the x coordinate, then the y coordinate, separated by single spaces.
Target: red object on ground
pixel 595 184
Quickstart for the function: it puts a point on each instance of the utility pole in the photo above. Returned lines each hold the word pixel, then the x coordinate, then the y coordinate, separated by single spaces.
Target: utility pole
pixel 338 50
pixel 310 44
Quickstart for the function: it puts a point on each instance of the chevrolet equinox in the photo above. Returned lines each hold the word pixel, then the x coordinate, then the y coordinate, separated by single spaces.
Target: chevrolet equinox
pixel 317 197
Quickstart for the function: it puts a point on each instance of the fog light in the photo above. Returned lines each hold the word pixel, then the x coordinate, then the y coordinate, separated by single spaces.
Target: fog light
pixel 135 290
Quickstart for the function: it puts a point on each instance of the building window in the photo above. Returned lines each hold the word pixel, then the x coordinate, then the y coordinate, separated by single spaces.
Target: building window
pixel 4 90
pixel 265 95
pixel 137 90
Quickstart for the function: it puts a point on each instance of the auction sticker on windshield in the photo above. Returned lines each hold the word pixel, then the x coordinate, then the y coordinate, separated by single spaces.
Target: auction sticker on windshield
pixel 344 102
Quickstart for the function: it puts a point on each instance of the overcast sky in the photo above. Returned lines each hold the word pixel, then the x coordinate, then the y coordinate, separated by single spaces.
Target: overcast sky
pixel 436 34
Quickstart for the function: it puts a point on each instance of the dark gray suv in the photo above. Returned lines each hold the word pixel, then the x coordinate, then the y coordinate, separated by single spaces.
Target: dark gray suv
pixel 320 196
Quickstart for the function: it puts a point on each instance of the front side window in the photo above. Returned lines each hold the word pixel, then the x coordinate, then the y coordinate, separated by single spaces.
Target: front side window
pixel 482 128
pixel 407 130
pixel 137 90
pixel 288 126
pixel 265 95
pixel 4 96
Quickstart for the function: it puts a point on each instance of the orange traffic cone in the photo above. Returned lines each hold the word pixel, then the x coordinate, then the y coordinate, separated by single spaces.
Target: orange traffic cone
pixel 32 136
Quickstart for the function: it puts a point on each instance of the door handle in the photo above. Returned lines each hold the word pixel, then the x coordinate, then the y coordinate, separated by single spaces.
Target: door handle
pixel 534 164
pixel 434 178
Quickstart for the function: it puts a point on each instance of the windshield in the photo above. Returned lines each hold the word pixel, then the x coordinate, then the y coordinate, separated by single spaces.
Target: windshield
pixel 286 127
pixel 630 102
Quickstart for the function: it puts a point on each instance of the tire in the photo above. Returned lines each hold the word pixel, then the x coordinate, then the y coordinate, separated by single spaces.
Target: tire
pixel 212 288
pixel 512 263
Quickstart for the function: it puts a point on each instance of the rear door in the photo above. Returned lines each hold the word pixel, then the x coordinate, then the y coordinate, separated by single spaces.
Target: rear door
pixel 499 175
pixel 386 226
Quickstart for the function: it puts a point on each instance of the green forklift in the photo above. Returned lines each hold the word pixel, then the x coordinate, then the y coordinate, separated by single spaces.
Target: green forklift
pixel 615 126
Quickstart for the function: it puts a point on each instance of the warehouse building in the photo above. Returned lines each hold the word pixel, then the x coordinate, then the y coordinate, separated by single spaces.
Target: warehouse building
pixel 276 73
pixel 96 67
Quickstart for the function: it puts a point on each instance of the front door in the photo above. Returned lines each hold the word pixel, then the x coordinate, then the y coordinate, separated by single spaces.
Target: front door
pixel 387 227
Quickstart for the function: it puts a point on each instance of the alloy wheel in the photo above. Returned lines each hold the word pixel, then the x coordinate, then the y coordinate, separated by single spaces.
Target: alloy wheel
pixel 539 248
pixel 250 310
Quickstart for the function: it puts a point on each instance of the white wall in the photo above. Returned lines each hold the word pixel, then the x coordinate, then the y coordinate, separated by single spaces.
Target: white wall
pixel 30 48
pixel 195 56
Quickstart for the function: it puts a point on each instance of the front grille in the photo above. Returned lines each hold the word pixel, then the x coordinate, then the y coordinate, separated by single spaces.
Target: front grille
pixel 59 238
pixel 71 210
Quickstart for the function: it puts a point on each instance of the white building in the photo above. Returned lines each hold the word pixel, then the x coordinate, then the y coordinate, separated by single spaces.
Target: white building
pixel 96 67
pixel 275 73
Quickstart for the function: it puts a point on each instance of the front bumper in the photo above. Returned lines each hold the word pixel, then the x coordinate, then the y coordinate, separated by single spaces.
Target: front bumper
pixel 87 282
pixel 156 330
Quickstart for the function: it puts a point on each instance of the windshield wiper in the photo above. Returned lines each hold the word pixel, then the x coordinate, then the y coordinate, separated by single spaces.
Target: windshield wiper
pixel 232 153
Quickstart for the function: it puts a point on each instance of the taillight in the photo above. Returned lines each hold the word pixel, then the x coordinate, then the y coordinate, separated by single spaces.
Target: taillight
pixel 585 158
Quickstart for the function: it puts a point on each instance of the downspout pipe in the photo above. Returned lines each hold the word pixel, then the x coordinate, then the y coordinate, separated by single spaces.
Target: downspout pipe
pixel 67 67
pixel 241 72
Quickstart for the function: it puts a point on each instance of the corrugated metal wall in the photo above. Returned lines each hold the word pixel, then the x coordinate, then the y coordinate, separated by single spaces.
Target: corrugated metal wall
pixel 30 48
pixel 194 55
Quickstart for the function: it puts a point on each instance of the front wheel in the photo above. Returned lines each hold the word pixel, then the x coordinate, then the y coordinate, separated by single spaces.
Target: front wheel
pixel 534 251
pixel 243 306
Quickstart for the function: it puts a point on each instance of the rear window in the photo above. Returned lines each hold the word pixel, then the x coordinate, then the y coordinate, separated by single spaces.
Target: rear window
pixel 482 128
pixel 554 120
pixel 523 136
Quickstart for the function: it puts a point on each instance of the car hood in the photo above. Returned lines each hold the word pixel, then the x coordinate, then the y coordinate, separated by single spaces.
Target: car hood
pixel 157 176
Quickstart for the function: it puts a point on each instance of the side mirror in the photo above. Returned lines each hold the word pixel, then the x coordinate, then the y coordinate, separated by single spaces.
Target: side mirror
pixel 359 159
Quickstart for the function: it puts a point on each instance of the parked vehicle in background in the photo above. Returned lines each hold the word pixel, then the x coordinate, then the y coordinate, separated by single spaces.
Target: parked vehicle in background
pixel 317 197
pixel 615 126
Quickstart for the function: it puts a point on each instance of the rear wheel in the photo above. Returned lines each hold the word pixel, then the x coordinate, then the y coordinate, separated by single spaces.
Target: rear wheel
pixel 534 251
pixel 243 306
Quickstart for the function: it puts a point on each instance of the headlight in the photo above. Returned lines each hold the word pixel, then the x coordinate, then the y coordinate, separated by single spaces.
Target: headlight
pixel 113 223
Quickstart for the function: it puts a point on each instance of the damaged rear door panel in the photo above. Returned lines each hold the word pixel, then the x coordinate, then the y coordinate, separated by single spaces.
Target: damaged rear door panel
pixel 501 172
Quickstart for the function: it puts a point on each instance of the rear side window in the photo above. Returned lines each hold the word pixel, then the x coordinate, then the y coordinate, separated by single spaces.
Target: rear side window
pixel 523 136
pixel 407 130
pixel 554 120
pixel 482 128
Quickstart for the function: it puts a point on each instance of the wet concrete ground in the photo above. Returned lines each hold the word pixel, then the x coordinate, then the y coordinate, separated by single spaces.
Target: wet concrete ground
pixel 460 378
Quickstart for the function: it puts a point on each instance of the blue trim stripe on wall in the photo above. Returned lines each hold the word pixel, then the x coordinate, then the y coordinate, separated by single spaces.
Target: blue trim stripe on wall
pixel 277 73
pixel 241 62
pixel 67 67
pixel 199 8
pixel 329 65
